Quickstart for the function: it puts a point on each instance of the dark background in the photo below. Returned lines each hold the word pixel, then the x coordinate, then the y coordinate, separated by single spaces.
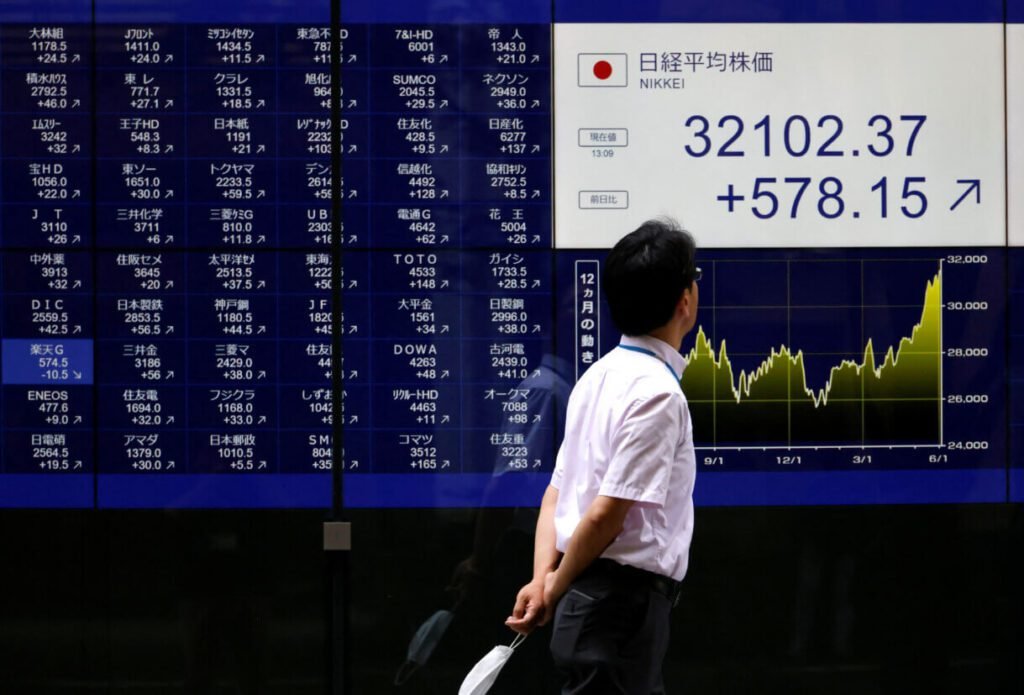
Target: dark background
pixel 924 599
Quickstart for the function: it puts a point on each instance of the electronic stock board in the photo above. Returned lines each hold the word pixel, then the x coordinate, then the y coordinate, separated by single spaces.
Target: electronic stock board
pixel 171 261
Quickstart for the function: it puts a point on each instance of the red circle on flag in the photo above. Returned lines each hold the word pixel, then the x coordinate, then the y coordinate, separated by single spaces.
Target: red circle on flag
pixel 602 69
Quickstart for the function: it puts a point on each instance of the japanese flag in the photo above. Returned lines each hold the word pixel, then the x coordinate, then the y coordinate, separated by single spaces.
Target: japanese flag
pixel 602 69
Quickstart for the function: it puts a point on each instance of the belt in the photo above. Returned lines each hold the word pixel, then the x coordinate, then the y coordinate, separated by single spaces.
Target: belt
pixel 666 586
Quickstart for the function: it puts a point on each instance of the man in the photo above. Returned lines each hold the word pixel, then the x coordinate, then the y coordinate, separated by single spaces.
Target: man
pixel 613 536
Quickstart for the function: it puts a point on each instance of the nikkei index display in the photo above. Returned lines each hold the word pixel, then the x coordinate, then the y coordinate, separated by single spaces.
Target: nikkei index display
pixel 844 175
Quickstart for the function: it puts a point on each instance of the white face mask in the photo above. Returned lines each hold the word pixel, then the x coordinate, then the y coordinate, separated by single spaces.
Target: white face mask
pixel 423 643
pixel 480 679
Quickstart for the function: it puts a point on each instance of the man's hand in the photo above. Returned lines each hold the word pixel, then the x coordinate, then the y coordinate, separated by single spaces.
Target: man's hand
pixel 530 610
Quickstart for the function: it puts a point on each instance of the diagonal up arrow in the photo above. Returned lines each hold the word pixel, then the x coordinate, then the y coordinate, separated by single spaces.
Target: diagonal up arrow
pixel 972 185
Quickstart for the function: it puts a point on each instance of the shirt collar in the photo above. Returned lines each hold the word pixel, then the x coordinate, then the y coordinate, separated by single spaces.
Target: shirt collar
pixel 659 347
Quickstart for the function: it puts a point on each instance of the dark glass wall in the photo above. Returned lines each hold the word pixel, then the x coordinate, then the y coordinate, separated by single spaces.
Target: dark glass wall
pixel 816 600
pixel 156 602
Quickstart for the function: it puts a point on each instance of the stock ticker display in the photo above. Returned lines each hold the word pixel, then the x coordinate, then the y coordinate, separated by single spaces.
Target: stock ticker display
pixel 170 259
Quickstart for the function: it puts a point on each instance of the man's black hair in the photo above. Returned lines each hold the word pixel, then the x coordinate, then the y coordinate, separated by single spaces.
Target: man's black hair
pixel 645 275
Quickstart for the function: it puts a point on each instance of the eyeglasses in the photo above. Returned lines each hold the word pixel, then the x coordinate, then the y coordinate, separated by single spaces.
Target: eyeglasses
pixel 697 274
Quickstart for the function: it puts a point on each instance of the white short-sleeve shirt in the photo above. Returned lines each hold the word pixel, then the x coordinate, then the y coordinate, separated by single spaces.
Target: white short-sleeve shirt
pixel 628 435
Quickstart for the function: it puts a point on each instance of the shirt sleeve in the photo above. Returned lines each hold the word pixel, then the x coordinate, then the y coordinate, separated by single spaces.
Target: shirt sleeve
pixel 567 415
pixel 556 476
pixel 643 449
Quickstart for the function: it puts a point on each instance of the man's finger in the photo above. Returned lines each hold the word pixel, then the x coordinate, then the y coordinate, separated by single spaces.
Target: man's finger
pixel 548 614
pixel 519 626
pixel 519 609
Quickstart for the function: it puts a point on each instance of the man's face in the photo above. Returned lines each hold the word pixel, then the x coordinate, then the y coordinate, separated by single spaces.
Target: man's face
pixel 691 297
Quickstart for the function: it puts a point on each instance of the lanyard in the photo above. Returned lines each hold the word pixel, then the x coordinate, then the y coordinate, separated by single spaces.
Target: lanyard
pixel 645 351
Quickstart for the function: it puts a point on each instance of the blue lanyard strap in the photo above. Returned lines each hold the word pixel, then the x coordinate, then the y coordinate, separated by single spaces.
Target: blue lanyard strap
pixel 653 354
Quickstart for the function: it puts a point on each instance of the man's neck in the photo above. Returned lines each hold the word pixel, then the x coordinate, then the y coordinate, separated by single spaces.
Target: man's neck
pixel 671 334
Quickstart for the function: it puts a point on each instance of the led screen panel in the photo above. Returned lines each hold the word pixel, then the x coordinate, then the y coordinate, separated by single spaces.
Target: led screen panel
pixel 176 285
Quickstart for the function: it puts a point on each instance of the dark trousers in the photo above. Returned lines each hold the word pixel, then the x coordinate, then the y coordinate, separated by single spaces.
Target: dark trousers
pixel 610 633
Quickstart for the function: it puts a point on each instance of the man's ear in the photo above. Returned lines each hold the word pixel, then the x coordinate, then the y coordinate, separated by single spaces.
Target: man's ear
pixel 685 304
